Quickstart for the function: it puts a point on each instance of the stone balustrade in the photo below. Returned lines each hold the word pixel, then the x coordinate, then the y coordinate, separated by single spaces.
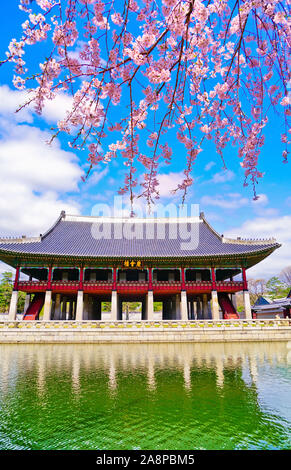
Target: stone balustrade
pixel 199 331
pixel 162 324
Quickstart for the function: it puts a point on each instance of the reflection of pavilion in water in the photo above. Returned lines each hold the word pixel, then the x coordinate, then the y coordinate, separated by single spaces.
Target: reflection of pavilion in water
pixel 148 360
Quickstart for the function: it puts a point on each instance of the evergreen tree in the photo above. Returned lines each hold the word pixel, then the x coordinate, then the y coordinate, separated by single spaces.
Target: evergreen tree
pixel 6 288
pixel 276 288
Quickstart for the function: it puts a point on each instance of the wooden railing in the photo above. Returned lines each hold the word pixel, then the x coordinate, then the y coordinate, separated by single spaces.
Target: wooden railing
pixel 68 286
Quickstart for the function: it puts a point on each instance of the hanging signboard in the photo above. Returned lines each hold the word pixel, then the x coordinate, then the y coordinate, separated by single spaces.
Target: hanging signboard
pixel 137 264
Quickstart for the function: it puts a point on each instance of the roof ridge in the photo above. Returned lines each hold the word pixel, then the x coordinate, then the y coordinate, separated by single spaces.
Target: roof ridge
pixel 22 239
pixel 123 219
pixel 249 241
pixel 61 217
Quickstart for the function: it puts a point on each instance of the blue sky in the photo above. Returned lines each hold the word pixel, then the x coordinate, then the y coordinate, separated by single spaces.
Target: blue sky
pixel 38 181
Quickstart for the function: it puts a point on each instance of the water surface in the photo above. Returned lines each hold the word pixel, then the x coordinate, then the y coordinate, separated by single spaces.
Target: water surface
pixel 159 396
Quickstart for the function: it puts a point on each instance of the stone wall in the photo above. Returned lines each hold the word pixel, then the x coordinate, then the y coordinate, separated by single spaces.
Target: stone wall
pixel 144 332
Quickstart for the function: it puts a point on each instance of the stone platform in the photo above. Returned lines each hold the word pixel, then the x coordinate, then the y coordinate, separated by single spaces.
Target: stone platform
pixel 196 331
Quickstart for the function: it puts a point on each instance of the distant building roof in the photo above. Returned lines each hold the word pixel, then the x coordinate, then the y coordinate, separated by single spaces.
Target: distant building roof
pixel 261 301
pixel 275 305
pixel 79 236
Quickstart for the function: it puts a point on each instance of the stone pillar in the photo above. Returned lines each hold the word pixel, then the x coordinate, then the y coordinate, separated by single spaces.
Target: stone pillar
pixel 86 307
pixel 150 306
pixel 80 305
pixel 63 308
pixel 13 306
pixel 194 310
pixel 178 307
pixel 184 310
pixel 47 306
pixel 215 305
pixel 248 310
pixel 191 310
pixel 114 306
pixel 71 310
pixel 205 306
pixel 199 310
pixel 57 314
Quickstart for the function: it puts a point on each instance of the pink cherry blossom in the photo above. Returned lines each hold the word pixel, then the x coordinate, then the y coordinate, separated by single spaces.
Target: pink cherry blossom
pixel 143 72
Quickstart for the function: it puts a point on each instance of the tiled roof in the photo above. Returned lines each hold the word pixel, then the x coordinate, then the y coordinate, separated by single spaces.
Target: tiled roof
pixel 80 237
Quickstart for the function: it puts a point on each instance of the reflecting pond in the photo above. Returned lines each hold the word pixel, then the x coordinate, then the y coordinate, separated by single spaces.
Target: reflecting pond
pixel 146 396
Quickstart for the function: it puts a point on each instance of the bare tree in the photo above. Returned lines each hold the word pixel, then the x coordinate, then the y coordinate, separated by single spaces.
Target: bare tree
pixel 257 287
pixel 285 275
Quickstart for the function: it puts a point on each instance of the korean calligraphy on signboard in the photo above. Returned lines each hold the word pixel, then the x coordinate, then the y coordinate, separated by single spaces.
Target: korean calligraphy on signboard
pixel 132 264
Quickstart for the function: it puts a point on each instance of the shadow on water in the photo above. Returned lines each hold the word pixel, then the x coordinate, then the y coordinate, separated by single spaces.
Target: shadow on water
pixel 146 396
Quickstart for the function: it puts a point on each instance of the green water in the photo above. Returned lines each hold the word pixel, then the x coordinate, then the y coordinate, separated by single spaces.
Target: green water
pixel 167 396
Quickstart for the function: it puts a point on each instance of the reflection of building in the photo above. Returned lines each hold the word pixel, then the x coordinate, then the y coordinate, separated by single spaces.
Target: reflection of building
pixel 266 308
pixel 81 262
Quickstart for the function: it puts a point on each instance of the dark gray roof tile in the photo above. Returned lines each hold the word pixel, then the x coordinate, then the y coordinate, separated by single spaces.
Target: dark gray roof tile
pixel 72 236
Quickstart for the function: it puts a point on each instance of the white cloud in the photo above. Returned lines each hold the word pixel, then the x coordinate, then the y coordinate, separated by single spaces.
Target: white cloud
pixel 97 176
pixel 25 157
pixel 260 209
pixel 267 227
pixel 11 100
pixel 24 212
pixel 168 182
pixel 223 176
pixel 209 166
pixel 230 201
pixel 34 180
pixel 261 201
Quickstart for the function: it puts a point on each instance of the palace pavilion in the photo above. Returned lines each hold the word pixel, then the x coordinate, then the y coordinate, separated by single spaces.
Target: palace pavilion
pixel 81 262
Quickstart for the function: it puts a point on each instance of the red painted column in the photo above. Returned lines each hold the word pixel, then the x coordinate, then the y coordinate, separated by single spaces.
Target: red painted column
pixel 49 279
pixel 183 278
pixel 150 270
pixel 15 285
pixel 245 282
pixel 81 278
pixel 213 279
pixel 114 278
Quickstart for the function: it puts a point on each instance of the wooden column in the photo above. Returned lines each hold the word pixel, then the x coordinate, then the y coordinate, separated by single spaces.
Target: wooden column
pixel 49 279
pixel 183 278
pixel 114 278
pixel 150 271
pixel 16 279
pixel 81 278
pixel 213 279
pixel 245 283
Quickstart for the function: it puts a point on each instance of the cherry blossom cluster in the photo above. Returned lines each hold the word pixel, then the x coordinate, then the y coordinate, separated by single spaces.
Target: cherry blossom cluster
pixel 211 69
